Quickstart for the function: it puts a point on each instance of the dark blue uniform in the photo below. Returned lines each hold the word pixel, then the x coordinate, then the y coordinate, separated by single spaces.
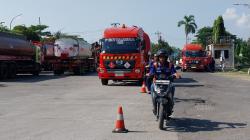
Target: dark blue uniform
pixel 162 72
pixel 159 70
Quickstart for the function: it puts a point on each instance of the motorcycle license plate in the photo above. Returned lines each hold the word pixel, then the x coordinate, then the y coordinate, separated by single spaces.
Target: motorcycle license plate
pixel 163 82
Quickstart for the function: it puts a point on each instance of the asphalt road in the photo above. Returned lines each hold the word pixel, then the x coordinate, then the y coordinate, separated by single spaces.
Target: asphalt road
pixel 208 107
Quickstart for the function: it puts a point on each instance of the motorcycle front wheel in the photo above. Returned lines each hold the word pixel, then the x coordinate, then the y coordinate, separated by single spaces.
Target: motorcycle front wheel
pixel 161 116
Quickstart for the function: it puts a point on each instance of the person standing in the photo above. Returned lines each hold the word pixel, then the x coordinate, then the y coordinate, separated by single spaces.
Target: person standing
pixel 222 62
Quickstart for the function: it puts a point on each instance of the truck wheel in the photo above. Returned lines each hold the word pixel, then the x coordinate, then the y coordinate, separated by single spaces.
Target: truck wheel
pixel 58 72
pixel 3 71
pixel 78 71
pixel 105 82
pixel 183 70
pixel 12 71
pixel 139 83
pixel 37 70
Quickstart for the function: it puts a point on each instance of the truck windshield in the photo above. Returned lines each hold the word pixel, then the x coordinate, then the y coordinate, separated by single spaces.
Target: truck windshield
pixel 121 45
pixel 194 53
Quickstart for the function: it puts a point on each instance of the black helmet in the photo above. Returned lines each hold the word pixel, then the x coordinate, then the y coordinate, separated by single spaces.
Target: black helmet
pixel 162 52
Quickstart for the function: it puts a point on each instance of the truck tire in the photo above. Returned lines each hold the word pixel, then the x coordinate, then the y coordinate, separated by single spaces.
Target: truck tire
pixel 139 83
pixel 105 82
pixel 78 71
pixel 37 70
pixel 3 71
pixel 12 71
pixel 58 72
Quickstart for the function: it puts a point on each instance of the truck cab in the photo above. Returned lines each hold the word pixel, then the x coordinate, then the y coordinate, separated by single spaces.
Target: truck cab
pixel 194 57
pixel 124 54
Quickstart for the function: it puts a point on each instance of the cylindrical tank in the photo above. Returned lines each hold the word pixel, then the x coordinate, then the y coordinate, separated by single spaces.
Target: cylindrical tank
pixel 72 47
pixel 15 45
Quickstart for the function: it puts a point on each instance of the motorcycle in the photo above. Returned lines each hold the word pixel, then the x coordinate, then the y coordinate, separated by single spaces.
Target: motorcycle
pixel 164 94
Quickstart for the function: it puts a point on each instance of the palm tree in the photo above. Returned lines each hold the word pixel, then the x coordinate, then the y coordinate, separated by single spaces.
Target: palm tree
pixel 190 25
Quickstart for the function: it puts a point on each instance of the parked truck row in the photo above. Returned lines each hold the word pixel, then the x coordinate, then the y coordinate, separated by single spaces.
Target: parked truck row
pixel 19 56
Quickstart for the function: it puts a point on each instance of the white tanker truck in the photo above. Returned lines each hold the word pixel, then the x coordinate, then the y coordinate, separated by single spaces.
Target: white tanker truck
pixel 71 54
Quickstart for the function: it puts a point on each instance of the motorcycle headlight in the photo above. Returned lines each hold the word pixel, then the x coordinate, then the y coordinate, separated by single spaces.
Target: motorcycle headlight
pixel 161 90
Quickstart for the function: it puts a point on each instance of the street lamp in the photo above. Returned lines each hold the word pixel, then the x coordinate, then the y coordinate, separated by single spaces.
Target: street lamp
pixel 14 19
pixel 244 4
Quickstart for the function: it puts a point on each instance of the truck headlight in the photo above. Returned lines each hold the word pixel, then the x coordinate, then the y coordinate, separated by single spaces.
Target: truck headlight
pixel 137 70
pixel 101 70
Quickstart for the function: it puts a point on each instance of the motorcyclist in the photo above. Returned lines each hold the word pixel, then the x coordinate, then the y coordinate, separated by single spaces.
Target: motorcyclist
pixel 149 79
pixel 162 70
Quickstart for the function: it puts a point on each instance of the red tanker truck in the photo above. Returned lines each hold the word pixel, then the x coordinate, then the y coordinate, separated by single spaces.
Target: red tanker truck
pixel 17 55
pixel 124 54
pixel 194 58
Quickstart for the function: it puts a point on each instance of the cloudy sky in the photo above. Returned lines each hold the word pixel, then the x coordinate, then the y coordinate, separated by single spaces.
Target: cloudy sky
pixel 89 18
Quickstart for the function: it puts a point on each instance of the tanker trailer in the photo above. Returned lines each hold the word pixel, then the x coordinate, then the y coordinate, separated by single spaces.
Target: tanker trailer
pixel 17 55
pixel 74 55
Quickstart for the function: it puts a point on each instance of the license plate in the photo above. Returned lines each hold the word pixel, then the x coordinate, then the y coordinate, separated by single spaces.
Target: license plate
pixel 119 73
pixel 193 66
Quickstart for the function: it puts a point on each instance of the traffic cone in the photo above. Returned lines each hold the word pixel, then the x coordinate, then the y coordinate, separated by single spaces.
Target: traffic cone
pixel 120 125
pixel 143 88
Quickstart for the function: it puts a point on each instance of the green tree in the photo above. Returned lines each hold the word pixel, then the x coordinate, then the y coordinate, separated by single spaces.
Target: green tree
pixel 218 29
pixel 23 30
pixel 39 29
pixel 34 32
pixel 189 24
pixel 203 35
pixel 161 45
pixel 3 28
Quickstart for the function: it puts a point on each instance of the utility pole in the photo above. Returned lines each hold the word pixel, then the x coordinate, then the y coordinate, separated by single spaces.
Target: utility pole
pixel 159 35
pixel 39 20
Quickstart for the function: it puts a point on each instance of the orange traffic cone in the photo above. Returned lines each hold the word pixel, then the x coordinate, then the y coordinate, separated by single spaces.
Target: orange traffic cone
pixel 119 125
pixel 143 88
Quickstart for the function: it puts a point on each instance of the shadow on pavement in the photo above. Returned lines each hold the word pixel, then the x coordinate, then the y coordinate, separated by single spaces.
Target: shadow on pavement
pixel 44 76
pixel 186 125
pixel 195 100
pixel 188 85
pixel 134 84
pixel 33 79
pixel 3 85
pixel 185 80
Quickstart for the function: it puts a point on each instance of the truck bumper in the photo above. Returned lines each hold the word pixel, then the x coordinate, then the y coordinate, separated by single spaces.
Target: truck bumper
pixel 195 67
pixel 120 76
